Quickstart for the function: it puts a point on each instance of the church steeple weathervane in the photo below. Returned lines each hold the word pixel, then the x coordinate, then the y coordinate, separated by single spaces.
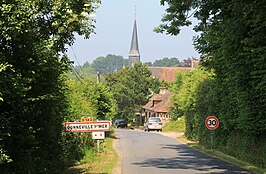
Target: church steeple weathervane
pixel 134 55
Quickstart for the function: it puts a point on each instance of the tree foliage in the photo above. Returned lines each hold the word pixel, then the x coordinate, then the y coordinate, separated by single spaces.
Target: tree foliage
pixel 131 87
pixel 109 64
pixel 232 43
pixel 90 99
pixel 167 62
pixel 186 63
pixel 185 97
pixel 33 102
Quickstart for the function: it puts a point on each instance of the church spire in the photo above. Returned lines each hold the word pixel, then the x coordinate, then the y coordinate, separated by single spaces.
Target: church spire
pixel 134 55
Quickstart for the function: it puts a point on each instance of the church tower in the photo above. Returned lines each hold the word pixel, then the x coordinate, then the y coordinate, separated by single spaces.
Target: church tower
pixel 134 55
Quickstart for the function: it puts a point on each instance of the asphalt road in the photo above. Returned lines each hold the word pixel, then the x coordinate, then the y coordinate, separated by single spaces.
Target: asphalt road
pixel 153 153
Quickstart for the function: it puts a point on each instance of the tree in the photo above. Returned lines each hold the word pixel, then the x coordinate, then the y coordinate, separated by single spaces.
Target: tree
pixel 185 98
pixel 232 43
pixel 147 63
pixel 227 39
pixel 109 64
pixel 32 38
pixel 86 64
pixel 186 63
pixel 90 99
pixel 131 87
pixel 166 62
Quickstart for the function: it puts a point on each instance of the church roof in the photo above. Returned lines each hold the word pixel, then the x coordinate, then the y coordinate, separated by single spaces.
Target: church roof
pixel 134 48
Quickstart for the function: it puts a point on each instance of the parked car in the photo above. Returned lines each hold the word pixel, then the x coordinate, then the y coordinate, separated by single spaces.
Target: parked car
pixel 153 123
pixel 121 123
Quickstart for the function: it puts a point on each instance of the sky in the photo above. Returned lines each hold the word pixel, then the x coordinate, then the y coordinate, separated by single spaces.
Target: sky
pixel 114 27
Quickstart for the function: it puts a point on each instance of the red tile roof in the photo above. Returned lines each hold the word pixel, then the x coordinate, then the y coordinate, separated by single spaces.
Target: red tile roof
pixel 162 106
pixel 156 97
pixel 167 74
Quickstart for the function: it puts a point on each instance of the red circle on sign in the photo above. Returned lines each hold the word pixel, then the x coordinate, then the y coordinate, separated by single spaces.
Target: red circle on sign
pixel 212 122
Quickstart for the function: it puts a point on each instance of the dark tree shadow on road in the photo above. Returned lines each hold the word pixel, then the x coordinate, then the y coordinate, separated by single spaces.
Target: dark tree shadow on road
pixel 188 158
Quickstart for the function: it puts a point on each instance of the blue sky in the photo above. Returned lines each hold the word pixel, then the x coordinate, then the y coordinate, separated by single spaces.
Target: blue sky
pixel 114 25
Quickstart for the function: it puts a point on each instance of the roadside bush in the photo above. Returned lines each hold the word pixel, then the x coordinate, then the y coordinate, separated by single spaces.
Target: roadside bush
pixel 201 94
pixel 175 125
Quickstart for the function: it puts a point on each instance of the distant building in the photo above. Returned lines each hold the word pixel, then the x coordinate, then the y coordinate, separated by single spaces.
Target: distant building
pixel 163 73
pixel 168 74
pixel 134 55
pixel 158 106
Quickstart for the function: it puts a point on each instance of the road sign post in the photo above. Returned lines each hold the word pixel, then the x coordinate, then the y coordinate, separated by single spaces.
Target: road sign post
pixel 98 136
pixel 212 123
pixel 87 126
pixel 97 128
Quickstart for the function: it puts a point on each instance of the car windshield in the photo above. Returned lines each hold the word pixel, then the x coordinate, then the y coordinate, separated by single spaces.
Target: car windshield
pixel 154 120
pixel 120 120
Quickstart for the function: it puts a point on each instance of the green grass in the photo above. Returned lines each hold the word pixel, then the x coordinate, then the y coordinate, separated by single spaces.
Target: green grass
pixel 175 126
pixel 248 166
pixel 94 162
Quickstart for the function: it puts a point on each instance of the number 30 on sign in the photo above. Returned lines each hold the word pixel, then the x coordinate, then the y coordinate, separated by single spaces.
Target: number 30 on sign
pixel 212 122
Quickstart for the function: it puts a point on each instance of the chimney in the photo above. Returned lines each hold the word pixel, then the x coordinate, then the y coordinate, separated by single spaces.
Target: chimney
pixel 162 90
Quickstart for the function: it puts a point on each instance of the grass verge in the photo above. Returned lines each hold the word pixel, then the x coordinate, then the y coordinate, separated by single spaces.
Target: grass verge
pixel 222 156
pixel 94 162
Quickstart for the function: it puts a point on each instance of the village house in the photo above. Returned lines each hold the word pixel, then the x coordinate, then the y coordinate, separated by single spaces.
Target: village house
pixel 158 105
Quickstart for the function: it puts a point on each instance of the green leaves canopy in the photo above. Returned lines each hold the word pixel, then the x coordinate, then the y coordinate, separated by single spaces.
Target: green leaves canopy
pixel 90 99
pixel 33 102
pixel 166 62
pixel 131 87
pixel 232 42
pixel 109 64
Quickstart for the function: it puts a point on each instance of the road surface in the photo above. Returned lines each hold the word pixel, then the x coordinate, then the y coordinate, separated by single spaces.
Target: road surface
pixel 153 153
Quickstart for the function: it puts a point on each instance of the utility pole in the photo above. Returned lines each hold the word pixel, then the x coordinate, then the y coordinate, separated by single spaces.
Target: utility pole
pixel 98 77
pixel 98 141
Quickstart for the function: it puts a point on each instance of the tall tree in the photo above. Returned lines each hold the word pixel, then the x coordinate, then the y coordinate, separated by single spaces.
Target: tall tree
pixel 167 62
pixel 90 99
pixel 131 87
pixel 232 39
pixel 232 42
pixel 109 64
pixel 32 38
pixel 148 63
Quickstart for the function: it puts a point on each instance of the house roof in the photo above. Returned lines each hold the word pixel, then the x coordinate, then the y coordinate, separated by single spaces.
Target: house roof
pixel 162 106
pixel 167 74
pixel 157 97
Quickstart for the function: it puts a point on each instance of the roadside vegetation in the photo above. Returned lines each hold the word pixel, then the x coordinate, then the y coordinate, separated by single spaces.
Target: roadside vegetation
pixel 231 81
pixel 39 90
pixel 94 162
pixel 196 97
pixel 175 125
pixel 34 99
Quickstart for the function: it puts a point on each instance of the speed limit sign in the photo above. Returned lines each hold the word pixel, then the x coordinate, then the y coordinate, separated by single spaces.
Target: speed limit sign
pixel 212 122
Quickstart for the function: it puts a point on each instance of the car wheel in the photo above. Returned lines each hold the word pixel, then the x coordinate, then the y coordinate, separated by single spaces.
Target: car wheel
pixel 148 130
